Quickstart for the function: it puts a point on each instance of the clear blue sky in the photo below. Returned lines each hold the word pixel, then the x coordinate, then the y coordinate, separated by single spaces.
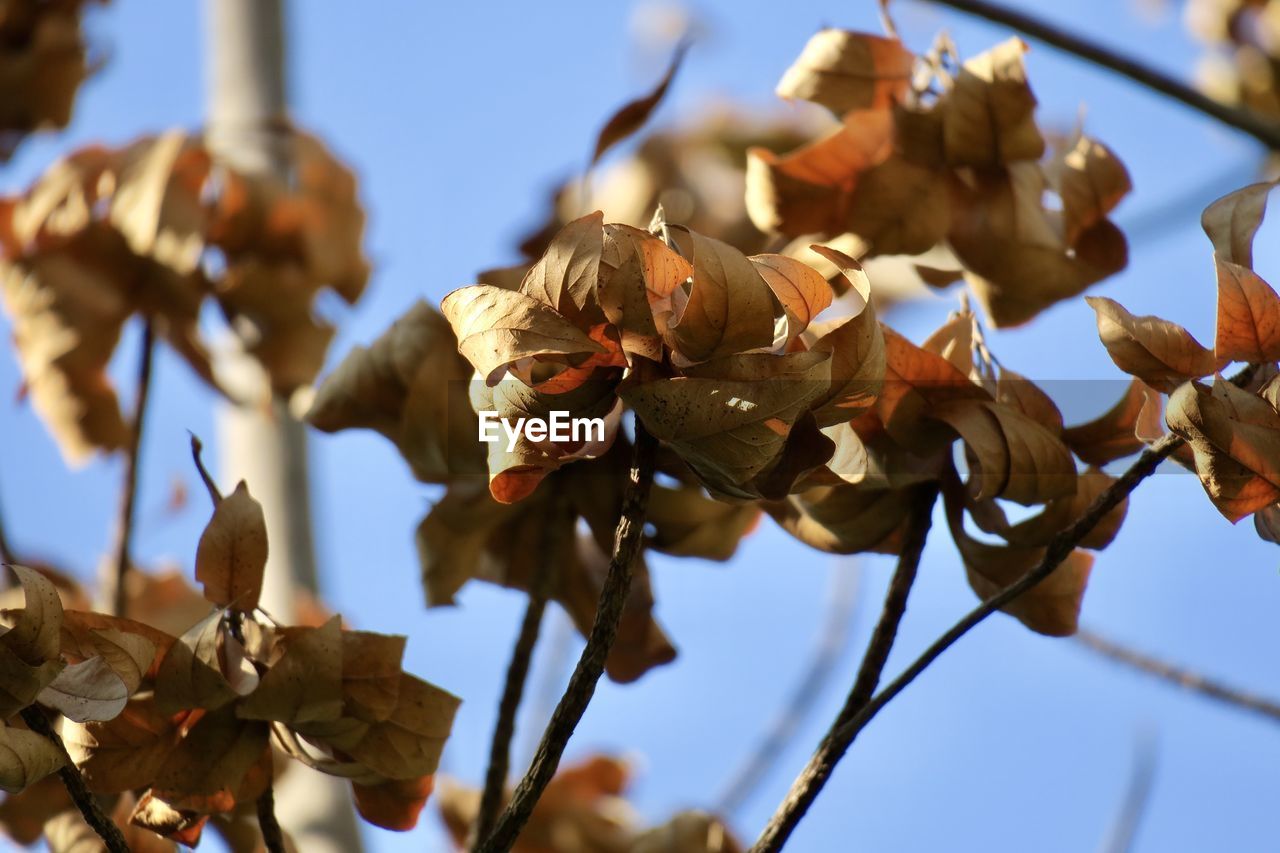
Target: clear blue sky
pixel 457 117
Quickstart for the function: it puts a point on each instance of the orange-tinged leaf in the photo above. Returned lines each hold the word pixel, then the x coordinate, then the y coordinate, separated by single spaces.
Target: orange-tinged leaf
pixel 394 804
pixel 232 553
pixel 802 291
pixel 843 70
pixel 1248 315
pixel 126 752
pixel 1162 354
pixel 566 275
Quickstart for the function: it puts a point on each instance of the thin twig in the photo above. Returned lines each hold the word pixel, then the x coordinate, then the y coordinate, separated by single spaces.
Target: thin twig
pixel 582 684
pixel 1265 131
pixel 1058 549
pixel 833 637
pixel 1193 681
pixel 97 819
pixel 115 584
pixel 815 774
pixel 540 587
pixel 1137 794
pixel 272 835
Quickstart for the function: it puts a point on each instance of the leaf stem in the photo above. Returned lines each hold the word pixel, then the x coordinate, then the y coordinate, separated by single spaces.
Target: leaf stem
pixel 1180 676
pixel 582 684
pixel 97 819
pixel 115 591
pixel 541 585
pixel 811 780
pixel 272 836
pixel 1265 131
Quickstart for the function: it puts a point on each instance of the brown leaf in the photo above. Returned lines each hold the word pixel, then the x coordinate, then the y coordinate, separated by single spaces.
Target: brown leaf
pixel 304 684
pixel 89 690
pixel 21 682
pixel 496 327
pixel 408 743
pixel 729 307
pixel 232 553
pixel 394 804
pixel 687 523
pixel 36 633
pixel 631 116
pixel 126 752
pixel 410 385
pixel 23 815
pixel 212 764
pixel 1235 437
pixel 1109 436
pixel 988 115
pixel 801 290
pixel 1091 182
pixel 565 277
pixel 1232 221
pixel 25 758
pixel 730 418
pixel 1248 327
pixel 843 71
pixel 190 675
pixel 371 673
pixel 687 832
pixel 857 351
pixel 1162 354
pixel 645 272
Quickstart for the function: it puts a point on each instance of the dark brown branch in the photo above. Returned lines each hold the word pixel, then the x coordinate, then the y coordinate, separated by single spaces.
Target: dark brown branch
pixel 582 684
pixel 540 587
pixel 115 583
pixel 1193 681
pixel 832 639
pixel 97 819
pixel 1265 131
pixel 815 774
pixel 272 836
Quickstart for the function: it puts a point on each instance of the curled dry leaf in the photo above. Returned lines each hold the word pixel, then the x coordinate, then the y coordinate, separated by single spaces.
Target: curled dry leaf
pixel 89 690
pixel 1232 221
pixel 190 675
pixel 1162 354
pixel 303 682
pixel 394 804
pixel 1235 438
pixel 25 758
pixel 1111 435
pixel 988 116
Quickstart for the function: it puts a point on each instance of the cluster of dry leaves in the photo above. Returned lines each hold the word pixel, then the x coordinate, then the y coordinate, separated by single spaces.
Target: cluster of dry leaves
pixel 157 229
pixel 584 810
pixel 187 727
pixel 931 154
pixel 43 60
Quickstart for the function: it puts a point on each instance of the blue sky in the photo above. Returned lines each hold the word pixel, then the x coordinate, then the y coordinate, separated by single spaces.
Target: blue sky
pixel 457 118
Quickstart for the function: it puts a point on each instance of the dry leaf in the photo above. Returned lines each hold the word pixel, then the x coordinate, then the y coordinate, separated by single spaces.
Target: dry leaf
pixel 631 116
pixel 25 758
pixel 304 684
pixel 1111 435
pixel 988 116
pixel 843 71
pixel 89 690
pixel 232 553
pixel 1248 327
pixel 1232 221
pixel 1162 354
pixel 190 675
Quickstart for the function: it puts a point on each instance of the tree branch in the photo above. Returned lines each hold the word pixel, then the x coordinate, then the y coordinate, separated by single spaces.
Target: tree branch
pixel 582 684
pixel 272 836
pixel 97 819
pixel 815 774
pixel 1265 131
pixel 1193 681
pixel 842 601
pixel 114 591
pixel 1137 795
pixel 541 584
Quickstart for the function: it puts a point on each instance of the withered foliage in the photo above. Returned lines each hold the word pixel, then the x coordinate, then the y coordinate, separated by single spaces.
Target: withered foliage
pixel 157 229
pixel 929 153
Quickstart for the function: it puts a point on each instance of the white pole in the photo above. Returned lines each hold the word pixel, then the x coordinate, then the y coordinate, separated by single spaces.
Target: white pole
pixel 266 446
